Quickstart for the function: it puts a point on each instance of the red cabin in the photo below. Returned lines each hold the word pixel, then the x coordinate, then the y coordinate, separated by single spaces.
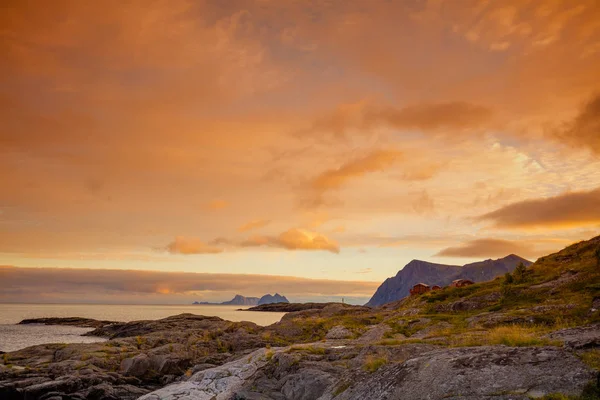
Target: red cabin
pixel 436 287
pixel 461 283
pixel 419 288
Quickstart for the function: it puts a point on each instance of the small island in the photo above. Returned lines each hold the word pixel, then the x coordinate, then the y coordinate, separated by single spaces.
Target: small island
pixel 240 300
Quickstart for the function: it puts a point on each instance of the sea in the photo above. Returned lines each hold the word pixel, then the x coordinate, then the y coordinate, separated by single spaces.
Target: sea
pixel 15 337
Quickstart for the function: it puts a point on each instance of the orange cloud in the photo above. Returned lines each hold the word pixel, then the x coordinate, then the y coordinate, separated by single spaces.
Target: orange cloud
pixel 256 224
pixel 218 204
pixel 295 239
pixel 375 161
pixel 134 124
pixel 190 245
pixel 571 209
pixel 488 248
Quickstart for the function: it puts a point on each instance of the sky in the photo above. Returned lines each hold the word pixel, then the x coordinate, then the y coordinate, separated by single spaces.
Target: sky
pixel 170 151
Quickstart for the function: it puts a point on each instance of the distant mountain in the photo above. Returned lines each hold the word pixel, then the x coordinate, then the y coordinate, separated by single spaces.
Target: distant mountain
pixel 417 271
pixel 276 298
pixel 238 300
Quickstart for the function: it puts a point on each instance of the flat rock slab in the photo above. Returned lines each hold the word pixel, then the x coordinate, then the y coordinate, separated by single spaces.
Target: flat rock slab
pixel 218 383
pixel 494 372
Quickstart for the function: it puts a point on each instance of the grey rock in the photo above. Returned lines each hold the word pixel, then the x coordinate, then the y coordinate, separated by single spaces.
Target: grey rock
pixel 136 366
pixel 169 364
pixel 202 367
pixel 63 385
pixel 219 383
pixel 338 332
pixel 578 338
pixel 306 384
pixel 374 333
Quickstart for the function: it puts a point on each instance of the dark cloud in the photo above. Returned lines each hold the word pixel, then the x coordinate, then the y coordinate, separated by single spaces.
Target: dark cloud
pixel 448 118
pixel 584 130
pixel 487 248
pixel 572 209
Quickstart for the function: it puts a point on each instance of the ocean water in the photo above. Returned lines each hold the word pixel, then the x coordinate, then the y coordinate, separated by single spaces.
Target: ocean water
pixel 14 337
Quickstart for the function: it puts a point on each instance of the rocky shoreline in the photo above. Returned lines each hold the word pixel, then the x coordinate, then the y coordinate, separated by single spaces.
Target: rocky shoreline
pixel 68 321
pixel 192 356
pixel 497 340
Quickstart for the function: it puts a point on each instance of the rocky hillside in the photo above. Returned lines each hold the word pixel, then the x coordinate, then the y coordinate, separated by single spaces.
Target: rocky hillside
pixel 276 298
pixel 534 334
pixel 416 271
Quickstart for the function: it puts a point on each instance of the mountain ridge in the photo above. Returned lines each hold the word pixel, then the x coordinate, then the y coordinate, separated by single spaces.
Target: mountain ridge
pixel 276 298
pixel 416 271
pixel 238 300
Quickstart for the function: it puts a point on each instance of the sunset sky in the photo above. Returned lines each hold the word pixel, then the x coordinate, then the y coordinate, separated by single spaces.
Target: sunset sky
pixel 324 144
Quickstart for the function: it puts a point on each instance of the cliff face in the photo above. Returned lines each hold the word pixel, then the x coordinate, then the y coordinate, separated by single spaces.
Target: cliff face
pixel 416 271
pixel 276 298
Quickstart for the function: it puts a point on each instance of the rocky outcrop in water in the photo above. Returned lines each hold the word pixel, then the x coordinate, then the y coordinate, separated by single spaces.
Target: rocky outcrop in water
pixel 68 321
pixel 276 298
pixel 238 300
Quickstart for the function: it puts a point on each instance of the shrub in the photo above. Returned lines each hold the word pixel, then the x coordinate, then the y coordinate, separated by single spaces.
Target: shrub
pixel 591 358
pixel 516 336
pixel 373 363
pixel 520 273
pixel 139 341
pixel 269 355
pixel 508 278
pixel 341 388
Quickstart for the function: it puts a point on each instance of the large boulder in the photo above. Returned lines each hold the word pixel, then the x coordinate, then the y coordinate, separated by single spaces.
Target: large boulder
pixel 170 364
pixel 136 366
pixel 338 332
pixel 218 383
